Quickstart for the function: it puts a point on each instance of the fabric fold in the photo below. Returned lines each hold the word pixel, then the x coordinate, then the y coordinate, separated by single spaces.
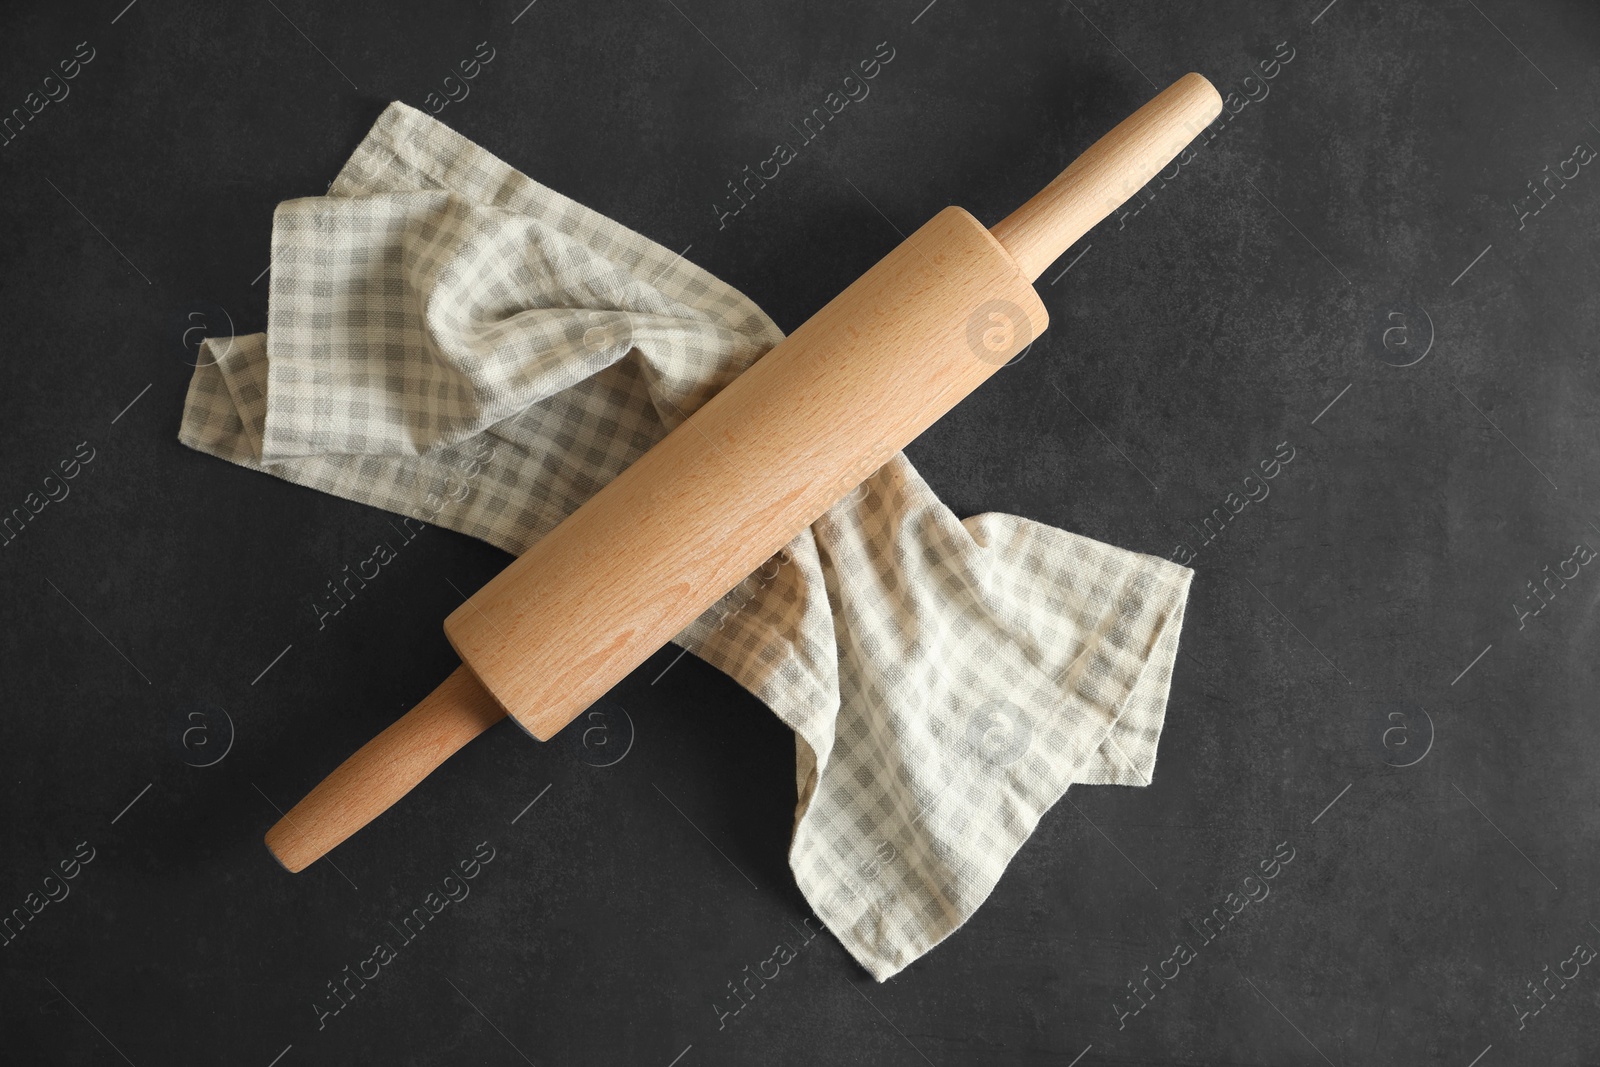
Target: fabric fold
pixel 450 340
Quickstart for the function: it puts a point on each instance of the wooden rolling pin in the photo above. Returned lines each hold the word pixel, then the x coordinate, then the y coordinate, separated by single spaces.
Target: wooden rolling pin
pixel 757 464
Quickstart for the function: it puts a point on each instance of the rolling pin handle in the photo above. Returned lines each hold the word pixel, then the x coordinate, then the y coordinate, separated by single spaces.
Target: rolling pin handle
pixel 383 770
pixel 1108 174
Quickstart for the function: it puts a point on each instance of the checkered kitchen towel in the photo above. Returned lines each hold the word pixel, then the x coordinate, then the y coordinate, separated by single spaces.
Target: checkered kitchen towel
pixel 448 339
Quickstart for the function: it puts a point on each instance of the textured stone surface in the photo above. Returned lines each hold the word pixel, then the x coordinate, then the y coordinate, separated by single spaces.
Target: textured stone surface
pixel 1323 658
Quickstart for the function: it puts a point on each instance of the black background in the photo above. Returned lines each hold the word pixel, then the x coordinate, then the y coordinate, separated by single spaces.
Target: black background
pixel 1187 342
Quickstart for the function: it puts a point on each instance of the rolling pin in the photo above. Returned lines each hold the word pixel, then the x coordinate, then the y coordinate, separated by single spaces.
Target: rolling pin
pixel 757 464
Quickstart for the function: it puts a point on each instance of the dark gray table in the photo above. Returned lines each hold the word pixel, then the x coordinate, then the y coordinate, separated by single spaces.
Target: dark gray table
pixel 1354 269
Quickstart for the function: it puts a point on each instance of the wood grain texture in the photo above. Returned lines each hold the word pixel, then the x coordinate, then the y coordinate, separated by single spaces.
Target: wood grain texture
pixel 755 466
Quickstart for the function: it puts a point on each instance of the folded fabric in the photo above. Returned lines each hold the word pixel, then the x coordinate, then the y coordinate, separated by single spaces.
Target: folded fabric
pixel 450 340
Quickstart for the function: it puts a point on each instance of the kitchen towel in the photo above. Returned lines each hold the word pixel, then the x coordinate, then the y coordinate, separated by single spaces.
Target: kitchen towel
pixel 450 340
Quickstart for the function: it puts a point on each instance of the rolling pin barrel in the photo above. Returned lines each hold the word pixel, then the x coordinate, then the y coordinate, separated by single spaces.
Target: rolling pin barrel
pixel 751 469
